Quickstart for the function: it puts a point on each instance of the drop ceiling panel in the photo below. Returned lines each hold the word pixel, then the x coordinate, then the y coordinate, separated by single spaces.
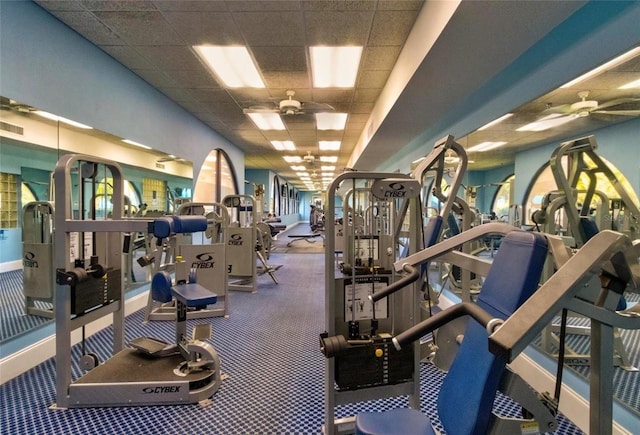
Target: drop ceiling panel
pixel 391 27
pixel 271 28
pixel 154 39
pixel 214 28
pixel 338 27
pixel 141 28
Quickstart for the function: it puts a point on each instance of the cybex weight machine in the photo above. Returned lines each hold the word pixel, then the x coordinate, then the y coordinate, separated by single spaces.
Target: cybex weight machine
pixel 89 286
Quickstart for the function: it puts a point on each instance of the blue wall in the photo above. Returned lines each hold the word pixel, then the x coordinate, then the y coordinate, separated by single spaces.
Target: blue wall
pixel 47 65
pixel 620 144
pixel 594 34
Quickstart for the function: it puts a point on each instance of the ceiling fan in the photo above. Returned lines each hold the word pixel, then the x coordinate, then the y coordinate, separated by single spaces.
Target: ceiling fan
pixel 291 106
pixel 309 159
pixel 620 106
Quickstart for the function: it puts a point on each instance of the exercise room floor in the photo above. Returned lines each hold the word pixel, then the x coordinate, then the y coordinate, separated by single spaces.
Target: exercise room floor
pixel 269 350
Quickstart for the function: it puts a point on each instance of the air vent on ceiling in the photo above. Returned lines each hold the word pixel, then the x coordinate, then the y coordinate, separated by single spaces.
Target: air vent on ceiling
pixel 11 128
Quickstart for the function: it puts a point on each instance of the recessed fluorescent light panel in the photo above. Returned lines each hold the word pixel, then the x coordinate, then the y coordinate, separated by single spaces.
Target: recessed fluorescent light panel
pixel 329 145
pixel 292 159
pixel 233 65
pixel 485 146
pixel 496 121
pixel 334 67
pixel 283 145
pixel 57 118
pixel 605 66
pixel 130 142
pixel 298 168
pixel 329 159
pixel 267 121
pixel 327 168
pixel 550 121
pixel 331 121
pixel 631 85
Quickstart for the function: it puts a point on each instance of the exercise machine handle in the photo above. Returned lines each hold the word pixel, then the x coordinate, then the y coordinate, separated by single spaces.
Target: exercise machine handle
pixel 413 276
pixel 444 317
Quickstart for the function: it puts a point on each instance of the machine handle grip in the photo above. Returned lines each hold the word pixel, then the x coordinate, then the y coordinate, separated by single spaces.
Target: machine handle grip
pixel 444 317
pixel 413 276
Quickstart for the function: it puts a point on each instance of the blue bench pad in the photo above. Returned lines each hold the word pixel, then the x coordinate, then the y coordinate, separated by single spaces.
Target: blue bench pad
pixel 193 294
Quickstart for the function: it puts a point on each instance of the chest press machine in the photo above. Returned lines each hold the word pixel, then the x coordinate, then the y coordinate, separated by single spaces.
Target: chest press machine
pixel 152 372
pixel 505 320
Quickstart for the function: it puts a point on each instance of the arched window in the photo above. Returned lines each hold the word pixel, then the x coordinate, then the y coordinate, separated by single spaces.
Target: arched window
pixel 543 183
pixel 27 194
pixel 502 199
pixel 275 196
pixel 283 199
pixel 104 191
pixel 216 179
pixel 290 201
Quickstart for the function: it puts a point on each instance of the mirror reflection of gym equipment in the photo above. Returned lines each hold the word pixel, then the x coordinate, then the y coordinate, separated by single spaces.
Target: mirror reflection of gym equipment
pixel 248 241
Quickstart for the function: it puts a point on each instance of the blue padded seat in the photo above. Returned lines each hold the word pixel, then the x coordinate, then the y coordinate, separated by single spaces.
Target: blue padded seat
pixel 194 295
pixel 466 397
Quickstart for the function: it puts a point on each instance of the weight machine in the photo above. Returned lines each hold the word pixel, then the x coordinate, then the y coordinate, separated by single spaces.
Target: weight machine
pixel 208 257
pixel 37 257
pixel 247 242
pixel 464 404
pixel 371 230
pixel 573 204
pixel 584 167
pixel 89 286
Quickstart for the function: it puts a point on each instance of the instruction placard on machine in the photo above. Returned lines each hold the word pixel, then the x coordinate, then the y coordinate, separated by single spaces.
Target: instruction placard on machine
pixel 357 305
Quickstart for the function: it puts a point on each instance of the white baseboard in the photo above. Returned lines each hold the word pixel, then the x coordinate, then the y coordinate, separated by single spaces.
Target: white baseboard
pixel 19 362
pixel 10 265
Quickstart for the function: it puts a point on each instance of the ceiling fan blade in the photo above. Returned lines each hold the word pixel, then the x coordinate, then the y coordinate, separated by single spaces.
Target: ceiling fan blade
pixel 625 103
pixel 619 112
pixel 312 106
pixel 563 109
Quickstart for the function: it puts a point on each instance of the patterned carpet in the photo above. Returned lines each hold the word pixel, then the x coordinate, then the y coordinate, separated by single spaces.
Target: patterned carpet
pixel 274 367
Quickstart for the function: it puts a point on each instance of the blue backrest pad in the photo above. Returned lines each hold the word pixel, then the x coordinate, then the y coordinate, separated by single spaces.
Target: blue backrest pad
pixel 189 224
pixel 467 393
pixel 432 231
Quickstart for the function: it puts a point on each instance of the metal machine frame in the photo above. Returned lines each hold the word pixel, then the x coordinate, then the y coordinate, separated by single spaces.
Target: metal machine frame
pixel 127 378
pixel 608 257
pixel 37 256
pixel 243 243
pixel 578 149
pixel 402 311
pixel 209 258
